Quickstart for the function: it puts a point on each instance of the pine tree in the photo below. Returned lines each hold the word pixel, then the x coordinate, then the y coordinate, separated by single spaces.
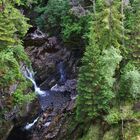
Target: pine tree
pixel 95 84
pixel 109 24
pixel 101 58
pixel 132 24
pixel 87 83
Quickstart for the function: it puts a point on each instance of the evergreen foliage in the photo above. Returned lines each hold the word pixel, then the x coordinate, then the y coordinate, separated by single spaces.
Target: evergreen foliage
pixel 29 3
pixel 95 84
pixel 50 16
pixel 13 27
pixel 107 85
pixel 109 25
pixel 111 32
pixel 58 17
pixel 87 84
pixel 75 29
pixel 95 87
pixel 132 23
pixel 130 83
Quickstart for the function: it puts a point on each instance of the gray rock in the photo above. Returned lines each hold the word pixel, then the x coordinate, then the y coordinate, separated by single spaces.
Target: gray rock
pixel 69 86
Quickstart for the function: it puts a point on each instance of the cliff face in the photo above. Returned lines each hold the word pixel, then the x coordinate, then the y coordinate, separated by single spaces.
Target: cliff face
pixel 57 121
pixel 11 112
pixel 55 68
pixel 49 57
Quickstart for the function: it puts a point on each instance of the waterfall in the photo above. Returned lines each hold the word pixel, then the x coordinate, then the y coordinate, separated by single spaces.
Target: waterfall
pixel 29 75
pixel 37 34
pixel 60 86
pixel 62 72
pixel 30 125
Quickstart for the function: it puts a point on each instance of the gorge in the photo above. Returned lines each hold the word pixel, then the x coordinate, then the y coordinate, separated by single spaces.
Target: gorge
pixel 54 101
pixel 69 69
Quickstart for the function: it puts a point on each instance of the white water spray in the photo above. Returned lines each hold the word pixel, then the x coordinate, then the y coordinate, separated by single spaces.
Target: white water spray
pixel 37 34
pixel 30 125
pixel 29 75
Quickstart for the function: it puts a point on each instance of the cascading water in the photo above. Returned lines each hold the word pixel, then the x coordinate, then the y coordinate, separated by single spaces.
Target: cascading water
pixel 29 75
pixel 37 34
pixel 30 125
pixel 53 100
pixel 60 87
pixel 47 98
pixel 62 73
pixel 41 94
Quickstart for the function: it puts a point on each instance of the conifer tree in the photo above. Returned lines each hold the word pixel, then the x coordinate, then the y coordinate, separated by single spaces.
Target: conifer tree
pixel 109 23
pixel 132 24
pixel 101 58
pixel 87 84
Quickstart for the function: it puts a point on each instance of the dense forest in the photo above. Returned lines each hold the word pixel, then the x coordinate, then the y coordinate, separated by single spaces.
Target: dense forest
pixel 85 55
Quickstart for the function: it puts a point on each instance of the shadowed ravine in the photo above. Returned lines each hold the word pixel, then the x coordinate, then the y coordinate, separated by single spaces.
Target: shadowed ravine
pixel 48 100
pixel 58 94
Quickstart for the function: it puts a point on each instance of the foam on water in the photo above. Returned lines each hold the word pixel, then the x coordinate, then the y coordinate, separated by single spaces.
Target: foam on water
pixel 29 75
pixel 30 125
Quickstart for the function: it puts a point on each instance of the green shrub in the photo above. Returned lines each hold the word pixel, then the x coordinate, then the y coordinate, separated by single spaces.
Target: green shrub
pixel 50 16
pixel 113 117
pixel 13 27
pixel 112 134
pixel 74 29
pixel 29 3
pixel 57 18
pixel 93 133
pixel 130 83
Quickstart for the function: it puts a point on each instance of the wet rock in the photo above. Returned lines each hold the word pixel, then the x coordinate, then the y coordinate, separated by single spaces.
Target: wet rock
pixel 49 129
pixel 46 56
pixel 35 38
pixel 79 11
pixel 5 129
pixel 30 109
pixel 11 114
pixel 55 100
pixel 52 120
pixel 1 104
pixel 45 64
pixel 53 64
pixel 69 86
pixel 40 39
pixel 12 88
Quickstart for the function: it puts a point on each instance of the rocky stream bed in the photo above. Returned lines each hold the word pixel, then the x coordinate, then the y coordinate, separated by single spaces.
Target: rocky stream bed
pixel 55 68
